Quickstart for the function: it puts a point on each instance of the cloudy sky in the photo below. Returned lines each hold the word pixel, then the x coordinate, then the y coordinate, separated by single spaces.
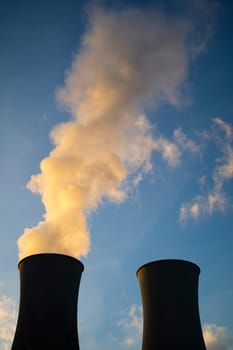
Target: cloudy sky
pixel 116 145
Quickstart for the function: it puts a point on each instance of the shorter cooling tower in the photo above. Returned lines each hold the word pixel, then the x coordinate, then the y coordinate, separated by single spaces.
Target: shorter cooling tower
pixel 49 286
pixel 171 321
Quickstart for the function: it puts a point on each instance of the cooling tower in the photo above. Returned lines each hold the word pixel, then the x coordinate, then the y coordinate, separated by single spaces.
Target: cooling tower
pixel 171 321
pixel 49 286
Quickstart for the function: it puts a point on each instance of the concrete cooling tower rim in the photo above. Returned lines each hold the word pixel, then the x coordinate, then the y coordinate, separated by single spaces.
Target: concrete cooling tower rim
pixel 41 255
pixel 161 262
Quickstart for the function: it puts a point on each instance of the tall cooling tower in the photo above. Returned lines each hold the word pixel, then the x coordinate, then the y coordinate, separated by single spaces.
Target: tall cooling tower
pixel 49 286
pixel 171 321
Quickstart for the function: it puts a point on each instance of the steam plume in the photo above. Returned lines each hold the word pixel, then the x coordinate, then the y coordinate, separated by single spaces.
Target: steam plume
pixel 129 60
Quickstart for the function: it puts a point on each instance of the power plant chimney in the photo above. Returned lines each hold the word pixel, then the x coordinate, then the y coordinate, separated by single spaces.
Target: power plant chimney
pixel 49 286
pixel 171 321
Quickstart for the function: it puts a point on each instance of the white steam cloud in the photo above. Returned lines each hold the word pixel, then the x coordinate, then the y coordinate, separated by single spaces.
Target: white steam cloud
pixel 129 60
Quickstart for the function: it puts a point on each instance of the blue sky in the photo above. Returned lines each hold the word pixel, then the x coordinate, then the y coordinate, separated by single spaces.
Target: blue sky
pixel 186 117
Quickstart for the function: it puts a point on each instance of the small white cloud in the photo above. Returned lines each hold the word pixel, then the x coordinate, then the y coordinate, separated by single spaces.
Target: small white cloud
pixel 191 209
pixel 216 337
pixel 135 315
pixel 226 170
pixel 169 150
pixel 184 142
pixel 195 208
pixel 226 127
pixel 132 325
pixel 203 205
pixel 7 321
pixel 202 180
pixel 129 341
pixel 217 201
pixel 214 199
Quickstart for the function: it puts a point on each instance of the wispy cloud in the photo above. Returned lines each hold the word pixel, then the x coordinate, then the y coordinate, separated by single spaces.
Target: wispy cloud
pixel 217 337
pixel 7 321
pixel 203 205
pixel 215 198
pixel 171 150
pixel 132 325
pixel 184 143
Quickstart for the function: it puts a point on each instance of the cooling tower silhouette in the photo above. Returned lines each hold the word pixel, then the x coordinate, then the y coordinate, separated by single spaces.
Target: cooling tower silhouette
pixel 49 286
pixel 171 321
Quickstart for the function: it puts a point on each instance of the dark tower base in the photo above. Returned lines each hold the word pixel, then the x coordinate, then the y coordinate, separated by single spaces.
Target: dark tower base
pixel 171 321
pixel 49 286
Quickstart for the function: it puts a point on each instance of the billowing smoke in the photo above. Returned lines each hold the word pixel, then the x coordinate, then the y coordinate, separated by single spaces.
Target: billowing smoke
pixel 129 61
